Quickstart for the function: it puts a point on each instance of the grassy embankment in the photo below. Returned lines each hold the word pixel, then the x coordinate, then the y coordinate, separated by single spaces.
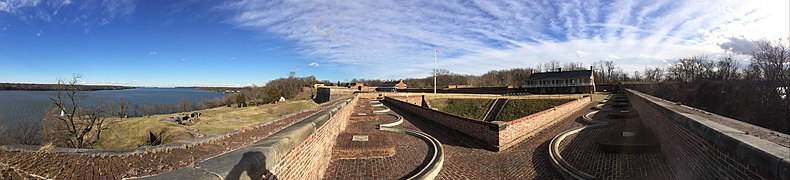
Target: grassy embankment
pixel 517 108
pixel 134 132
pixel 469 108
pixel 476 108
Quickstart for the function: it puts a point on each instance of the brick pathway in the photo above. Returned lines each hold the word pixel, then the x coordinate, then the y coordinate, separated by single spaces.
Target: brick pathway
pixel 72 166
pixel 527 160
pixel 409 151
pixel 581 151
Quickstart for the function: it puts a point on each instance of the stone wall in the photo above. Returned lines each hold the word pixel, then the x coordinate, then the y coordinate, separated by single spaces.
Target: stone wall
pixel 310 159
pixel 521 128
pixel 699 147
pixel 485 132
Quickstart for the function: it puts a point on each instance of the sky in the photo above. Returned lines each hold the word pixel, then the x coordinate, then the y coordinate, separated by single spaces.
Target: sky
pixel 245 42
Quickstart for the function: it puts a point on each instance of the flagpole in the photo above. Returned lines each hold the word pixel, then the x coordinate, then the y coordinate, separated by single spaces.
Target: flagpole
pixel 435 53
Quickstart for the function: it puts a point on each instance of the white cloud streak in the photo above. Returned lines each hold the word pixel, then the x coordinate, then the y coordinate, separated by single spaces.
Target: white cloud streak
pixel 87 13
pixel 474 37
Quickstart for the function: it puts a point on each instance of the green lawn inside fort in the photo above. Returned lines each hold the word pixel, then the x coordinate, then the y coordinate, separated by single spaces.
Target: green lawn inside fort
pixel 475 107
pixel 517 108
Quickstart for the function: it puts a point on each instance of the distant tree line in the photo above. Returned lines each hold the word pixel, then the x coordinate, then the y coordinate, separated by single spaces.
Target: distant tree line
pixel 54 87
pixel 755 93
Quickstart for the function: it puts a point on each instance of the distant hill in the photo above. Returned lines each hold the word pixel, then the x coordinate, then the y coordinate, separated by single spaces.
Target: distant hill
pixel 52 87
pixel 217 89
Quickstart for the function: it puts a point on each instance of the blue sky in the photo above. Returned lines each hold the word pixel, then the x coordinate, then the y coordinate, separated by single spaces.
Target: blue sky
pixel 237 43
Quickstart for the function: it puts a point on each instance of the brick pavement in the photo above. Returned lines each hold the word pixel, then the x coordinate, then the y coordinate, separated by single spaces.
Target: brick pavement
pixel 463 160
pixel 528 159
pixel 409 152
pixel 581 151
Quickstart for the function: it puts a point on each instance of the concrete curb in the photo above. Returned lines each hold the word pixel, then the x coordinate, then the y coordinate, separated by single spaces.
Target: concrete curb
pixel 427 170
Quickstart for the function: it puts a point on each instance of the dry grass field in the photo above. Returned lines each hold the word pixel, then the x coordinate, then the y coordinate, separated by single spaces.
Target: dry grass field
pixel 134 132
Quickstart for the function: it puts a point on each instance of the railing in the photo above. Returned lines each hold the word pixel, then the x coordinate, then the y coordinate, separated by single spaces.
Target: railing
pixel 556 85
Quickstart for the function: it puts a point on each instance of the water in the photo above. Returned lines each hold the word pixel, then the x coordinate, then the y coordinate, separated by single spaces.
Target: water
pixel 31 105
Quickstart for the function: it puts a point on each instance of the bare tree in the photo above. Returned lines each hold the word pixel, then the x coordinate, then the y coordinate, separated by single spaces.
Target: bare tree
pixel 727 69
pixel 771 61
pixel 83 125
pixel 637 77
pixel 573 66
pixel 653 74
pixel 123 108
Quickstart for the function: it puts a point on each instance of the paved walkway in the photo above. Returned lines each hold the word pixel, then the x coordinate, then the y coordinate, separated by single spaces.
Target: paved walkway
pixel 409 151
pixel 527 160
pixel 581 151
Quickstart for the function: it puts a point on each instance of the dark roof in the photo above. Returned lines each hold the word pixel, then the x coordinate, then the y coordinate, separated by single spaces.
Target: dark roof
pixel 560 75
pixel 390 84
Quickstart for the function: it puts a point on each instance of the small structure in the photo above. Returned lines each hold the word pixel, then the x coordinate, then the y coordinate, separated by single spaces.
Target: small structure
pixel 391 86
pixel 184 119
pixel 582 81
pixel 316 86
pixel 359 86
pixel 456 86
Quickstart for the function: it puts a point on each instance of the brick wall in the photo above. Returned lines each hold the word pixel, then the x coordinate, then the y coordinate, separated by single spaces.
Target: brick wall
pixel 698 148
pixel 495 136
pixel 416 100
pixel 486 132
pixel 310 159
pixel 521 128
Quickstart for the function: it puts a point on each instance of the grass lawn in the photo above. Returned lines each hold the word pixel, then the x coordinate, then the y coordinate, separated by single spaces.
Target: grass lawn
pixel 469 108
pixel 133 132
pixel 517 108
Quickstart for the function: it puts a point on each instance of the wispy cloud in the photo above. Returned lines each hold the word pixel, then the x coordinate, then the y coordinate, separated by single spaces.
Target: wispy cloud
pixel 153 53
pixel 314 64
pixel 89 13
pixel 481 35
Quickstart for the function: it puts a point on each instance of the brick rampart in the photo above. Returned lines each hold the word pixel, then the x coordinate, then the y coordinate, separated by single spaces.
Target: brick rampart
pixel 697 147
pixel 485 132
pixel 519 129
pixel 310 159
pixel 495 136
pixel 416 100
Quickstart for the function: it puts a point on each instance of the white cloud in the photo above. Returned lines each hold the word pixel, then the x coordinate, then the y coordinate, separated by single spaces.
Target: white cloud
pixel 314 64
pixel 153 53
pixel 89 14
pixel 479 36
pixel 581 54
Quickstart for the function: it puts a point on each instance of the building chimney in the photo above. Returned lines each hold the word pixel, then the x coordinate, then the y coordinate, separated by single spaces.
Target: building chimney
pixel 559 69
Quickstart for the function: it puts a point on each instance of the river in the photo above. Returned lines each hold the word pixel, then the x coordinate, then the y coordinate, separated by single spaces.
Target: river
pixel 31 105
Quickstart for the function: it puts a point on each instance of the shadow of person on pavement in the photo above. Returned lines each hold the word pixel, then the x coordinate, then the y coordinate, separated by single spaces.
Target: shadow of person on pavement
pixel 251 166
